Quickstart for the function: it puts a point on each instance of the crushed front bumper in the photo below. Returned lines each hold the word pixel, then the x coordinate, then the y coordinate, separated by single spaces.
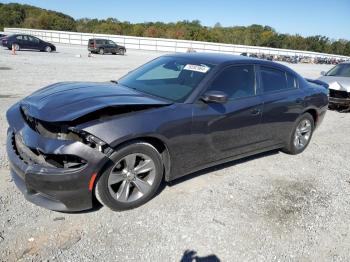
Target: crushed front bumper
pixel 60 189
pixel 339 98
pixel 339 101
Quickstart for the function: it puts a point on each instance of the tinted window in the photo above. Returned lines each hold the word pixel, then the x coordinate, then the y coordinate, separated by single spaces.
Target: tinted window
pixel 19 37
pixel 235 81
pixel 274 79
pixel 33 39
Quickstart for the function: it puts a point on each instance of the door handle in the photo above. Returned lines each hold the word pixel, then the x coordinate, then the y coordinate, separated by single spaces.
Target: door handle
pixel 255 111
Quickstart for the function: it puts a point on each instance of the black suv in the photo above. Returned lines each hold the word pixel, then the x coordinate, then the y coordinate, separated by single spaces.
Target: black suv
pixel 103 46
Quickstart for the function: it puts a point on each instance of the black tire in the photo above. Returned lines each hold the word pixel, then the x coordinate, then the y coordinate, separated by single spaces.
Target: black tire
pixel 291 148
pixel 48 49
pixel 114 53
pixel 102 188
pixel 101 51
pixel 121 51
pixel 16 46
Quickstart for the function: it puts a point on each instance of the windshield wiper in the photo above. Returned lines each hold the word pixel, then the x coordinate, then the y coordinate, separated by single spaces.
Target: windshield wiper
pixel 114 81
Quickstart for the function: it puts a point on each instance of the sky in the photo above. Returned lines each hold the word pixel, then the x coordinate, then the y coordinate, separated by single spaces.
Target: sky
pixel 304 17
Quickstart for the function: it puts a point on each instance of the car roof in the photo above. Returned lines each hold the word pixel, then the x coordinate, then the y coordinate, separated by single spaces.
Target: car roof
pixel 98 39
pixel 23 34
pixel 211 58
pixel 220 58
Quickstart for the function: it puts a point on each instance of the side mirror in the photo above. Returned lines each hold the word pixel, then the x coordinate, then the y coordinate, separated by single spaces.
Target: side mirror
pixel 323 73
pixel 215 97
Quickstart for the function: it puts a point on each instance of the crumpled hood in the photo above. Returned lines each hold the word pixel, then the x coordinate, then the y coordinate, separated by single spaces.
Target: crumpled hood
pixel 337 83
pixel 68 101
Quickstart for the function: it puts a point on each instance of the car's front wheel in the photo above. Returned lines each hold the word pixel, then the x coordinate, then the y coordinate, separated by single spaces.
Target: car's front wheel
pixel 48 49
pixel 301 135
pixel 132 179
pixel 121 51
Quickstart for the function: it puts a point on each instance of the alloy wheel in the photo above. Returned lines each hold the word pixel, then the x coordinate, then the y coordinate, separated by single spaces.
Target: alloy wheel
pixel 302 134
pixel 132 177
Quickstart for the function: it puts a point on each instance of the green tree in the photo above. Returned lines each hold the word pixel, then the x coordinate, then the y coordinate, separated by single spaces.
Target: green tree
pixel 16 15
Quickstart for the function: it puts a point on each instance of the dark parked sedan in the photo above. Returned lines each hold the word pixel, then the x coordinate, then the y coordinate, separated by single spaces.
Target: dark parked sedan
pixel 71 142
pixel 21 41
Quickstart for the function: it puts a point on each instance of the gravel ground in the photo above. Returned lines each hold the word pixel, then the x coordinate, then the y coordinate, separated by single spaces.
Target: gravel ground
pixel 271 207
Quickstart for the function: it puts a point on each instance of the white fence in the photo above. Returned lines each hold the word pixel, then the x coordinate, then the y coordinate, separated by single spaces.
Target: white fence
pixel 162 44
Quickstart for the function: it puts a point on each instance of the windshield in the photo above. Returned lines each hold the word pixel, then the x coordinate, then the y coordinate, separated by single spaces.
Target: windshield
pixel 167 77
pixel 340 70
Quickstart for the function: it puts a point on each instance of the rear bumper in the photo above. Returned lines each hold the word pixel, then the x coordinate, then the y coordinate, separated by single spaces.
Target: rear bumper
pixel 92 49
pixel 60 189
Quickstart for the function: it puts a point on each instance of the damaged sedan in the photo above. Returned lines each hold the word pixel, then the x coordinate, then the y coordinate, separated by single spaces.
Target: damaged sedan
pixel 72 144
pixel 338 79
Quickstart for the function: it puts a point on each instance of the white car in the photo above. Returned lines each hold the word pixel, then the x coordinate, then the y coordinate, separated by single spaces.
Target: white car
pixel 338 79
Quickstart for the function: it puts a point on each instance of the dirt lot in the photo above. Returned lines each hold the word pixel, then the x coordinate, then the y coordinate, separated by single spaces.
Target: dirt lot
pixel 272 207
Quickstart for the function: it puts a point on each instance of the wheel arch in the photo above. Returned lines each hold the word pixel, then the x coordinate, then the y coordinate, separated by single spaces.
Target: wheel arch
pixel 314 114
pixel 159 145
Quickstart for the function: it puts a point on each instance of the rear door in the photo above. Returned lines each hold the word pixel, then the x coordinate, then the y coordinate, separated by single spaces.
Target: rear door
pixel 231 128
pixel 283 103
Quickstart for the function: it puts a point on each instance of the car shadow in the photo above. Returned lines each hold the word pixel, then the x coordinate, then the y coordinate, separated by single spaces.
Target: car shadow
pixel 107 54
pixel 31 50
pixel 191 256
pixel 340 109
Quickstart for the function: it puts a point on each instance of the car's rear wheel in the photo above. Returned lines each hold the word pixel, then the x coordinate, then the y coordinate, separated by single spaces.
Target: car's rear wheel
pixel 101 51
pixel 121 51
pixel 132 179
pixel 48 49
pixel 16 47
pixel 301 135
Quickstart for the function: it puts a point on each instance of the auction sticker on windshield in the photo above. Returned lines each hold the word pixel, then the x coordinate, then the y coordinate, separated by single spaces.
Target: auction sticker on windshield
pixel 197 68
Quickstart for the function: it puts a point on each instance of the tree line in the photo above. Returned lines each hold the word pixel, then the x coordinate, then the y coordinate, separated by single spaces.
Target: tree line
pixel 26 16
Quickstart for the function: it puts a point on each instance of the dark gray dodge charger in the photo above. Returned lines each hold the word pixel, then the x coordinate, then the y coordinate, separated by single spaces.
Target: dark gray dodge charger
pixel 72 143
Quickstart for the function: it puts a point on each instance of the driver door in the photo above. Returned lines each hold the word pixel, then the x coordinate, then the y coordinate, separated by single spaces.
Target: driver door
pixel 230 128
pixel 33 42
